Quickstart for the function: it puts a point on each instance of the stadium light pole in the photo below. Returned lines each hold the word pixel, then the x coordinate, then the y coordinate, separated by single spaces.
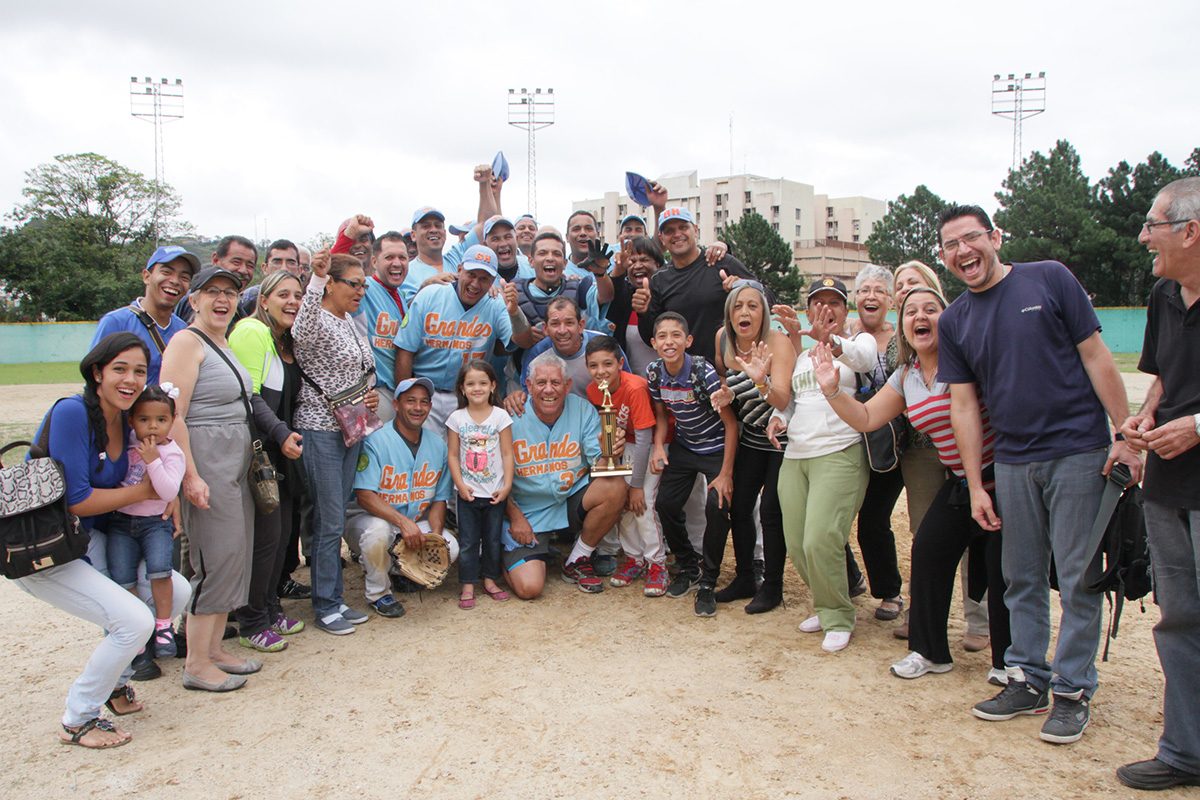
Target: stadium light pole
pixel 531 111
pixel 1018 98
pixel 156 102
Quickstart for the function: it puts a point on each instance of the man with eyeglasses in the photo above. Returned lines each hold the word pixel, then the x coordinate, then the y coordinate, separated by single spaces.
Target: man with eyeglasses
pixel 1168 428
pixel 450 324
pixel 1027 336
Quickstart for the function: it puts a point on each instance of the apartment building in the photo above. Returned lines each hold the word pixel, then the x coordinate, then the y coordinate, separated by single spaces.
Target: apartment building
pixel 827 234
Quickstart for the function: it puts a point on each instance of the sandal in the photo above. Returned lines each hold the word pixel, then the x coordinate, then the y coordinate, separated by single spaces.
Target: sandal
pixel 890 609
pixel 466 603
pixel 127 692
pixel 496 594
pixel 99 723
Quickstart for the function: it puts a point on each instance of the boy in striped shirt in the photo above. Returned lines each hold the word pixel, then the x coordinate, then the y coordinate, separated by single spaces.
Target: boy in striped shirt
pixel 705 442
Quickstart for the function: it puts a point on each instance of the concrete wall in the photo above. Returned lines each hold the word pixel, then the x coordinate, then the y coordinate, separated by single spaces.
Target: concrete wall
pixel 1123 329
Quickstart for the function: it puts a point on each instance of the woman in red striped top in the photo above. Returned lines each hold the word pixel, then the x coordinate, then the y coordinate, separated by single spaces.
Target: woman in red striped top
pixel 947 529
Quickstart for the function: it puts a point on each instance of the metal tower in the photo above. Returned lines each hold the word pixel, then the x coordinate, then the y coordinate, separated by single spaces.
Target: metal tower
pixel 531 111
pixel 1017 99
pixel 156 102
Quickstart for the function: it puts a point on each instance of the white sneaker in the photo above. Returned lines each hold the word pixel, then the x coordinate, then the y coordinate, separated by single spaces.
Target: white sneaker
pixel 997 677
pixel 914 665
pixel 811 625
pixel 835 640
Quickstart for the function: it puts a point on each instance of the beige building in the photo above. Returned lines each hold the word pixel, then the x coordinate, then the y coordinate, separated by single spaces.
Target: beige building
pixel 827 234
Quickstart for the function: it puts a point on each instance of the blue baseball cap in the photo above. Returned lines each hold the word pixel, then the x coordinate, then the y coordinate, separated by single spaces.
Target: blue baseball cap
pixel 527 216
pixel 464 229
pixel 675 212
pixel 629 217
pixel 427 211
pixel 480 256
pixel 500 167
pixel 405 385
pixel 495 220
pixel 637 187
pixel 171 252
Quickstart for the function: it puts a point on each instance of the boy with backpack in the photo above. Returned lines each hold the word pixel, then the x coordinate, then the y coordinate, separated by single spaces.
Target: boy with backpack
pixel 705 442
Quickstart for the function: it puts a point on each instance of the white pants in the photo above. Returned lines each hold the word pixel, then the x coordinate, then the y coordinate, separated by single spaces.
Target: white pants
pixel 80 590
pixel 442 405
pixel 641 536
pixel 372 538
pixel 386 411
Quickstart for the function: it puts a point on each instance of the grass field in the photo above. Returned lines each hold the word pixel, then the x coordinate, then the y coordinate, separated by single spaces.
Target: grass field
pixel 1127 362
pixel 57 372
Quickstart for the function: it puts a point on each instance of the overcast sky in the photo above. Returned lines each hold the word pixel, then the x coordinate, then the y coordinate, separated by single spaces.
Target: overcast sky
pixel 298 114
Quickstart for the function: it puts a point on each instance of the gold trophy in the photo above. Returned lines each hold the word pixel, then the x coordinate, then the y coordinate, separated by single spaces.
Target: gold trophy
pixel 608 465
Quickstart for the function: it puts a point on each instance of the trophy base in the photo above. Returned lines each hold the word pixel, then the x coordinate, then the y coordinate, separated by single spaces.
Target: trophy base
pixel 613 471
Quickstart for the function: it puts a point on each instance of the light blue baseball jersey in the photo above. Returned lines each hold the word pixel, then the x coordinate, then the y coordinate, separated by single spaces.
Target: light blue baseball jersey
pixel 378 319
pixel 123 319
pixel 453 257
pixel 408 482
pixel 442 335
pixel 552 462
pixel 418 273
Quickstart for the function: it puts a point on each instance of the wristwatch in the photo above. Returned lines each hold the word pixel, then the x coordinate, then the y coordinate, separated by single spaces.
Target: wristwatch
pixel 835 341
pixel 1196 419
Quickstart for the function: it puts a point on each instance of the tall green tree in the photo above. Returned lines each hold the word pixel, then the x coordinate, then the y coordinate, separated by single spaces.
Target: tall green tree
pixel 756 244
pixel 908 232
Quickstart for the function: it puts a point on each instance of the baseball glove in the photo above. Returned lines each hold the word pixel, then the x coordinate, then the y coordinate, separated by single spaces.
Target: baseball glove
pixel 428 565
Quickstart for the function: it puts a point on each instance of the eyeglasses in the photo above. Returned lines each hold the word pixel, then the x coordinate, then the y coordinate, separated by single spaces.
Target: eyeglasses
pixel 950 245
pixel 1147 225
pixel 215 294
pixel 879 290
pixel 355 286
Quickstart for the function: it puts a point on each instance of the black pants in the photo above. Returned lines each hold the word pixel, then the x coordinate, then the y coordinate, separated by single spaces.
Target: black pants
pixel 674 487
pixel 755 471
pixel 262 603
pixel 875 537
pixel 945 534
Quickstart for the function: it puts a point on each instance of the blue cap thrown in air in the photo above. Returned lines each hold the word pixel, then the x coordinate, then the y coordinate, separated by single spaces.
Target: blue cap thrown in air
pixel 637 187
pixel 500 167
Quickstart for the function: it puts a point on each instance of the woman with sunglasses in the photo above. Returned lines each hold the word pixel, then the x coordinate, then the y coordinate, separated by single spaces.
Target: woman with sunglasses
pixel 333 357
pixel 755 365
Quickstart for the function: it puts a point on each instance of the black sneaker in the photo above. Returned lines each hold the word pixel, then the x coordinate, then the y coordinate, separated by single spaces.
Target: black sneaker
pixel 706 602
pixel 293 590
pixel 144 668
pixel 1067 721
pixel 684 582
pixel 1153 775
pixel 1014 700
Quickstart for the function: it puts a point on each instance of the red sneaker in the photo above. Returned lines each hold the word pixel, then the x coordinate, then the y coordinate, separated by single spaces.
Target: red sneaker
pixel 629 571
pixel 580 572
pixel 656 581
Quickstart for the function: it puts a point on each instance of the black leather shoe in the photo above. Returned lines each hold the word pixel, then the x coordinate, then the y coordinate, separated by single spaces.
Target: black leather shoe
pixel 144 668
pixel 1154 774
pixel 740 588
pixel 768 596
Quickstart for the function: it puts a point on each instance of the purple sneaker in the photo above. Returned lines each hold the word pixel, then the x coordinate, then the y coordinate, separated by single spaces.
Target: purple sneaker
pixel 285 626
pixel 266 641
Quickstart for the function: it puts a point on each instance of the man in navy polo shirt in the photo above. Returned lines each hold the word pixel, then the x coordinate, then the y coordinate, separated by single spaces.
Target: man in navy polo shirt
pixel 1027 335
pixel 705 444
pixel 1168 426
pixel 168 275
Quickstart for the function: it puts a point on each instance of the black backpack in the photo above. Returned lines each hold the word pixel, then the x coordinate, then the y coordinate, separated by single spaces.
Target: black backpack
pixel 1123 558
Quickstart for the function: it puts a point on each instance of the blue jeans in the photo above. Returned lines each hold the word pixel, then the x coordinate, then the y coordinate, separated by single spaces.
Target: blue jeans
pixel 1174 537
pixel 330 467
pixel 479 524
pixel 1047 508
pixel 130 539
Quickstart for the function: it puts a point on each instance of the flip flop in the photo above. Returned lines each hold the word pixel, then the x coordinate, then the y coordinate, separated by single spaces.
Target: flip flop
pixel 466 603
pixel 496 594
pixel 125 691
pixel 83 730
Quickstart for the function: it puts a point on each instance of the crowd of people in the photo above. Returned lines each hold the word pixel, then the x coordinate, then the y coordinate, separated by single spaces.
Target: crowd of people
pixel 402 388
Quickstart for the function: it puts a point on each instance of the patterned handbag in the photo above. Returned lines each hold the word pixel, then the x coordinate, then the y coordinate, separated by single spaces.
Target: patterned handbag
pixel 36 529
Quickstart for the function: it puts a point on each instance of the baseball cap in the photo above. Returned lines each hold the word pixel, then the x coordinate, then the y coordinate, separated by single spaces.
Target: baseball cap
pixel 404 386
pixel 637 187
pixel 426 211
pixel 527 216
pixel 828 284
pixel 171 252
pixel 500 167
pixel 208 274
pixel 482 257
pixel 629 217
pixel 675 212
pixel 495 220
pixel 463 229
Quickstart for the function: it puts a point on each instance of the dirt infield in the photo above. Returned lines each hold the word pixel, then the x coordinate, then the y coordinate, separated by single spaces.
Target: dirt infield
pixel 613 695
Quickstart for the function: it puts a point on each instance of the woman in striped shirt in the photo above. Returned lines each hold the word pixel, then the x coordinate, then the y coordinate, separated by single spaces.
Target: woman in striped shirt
pixel 947 529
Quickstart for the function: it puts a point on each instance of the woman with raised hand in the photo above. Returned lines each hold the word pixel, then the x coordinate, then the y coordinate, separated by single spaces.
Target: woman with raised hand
pixel 755 365
pixel 218 510
pixel 947 528
pixel 263 344
pixel 333 357
pixel 87 436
